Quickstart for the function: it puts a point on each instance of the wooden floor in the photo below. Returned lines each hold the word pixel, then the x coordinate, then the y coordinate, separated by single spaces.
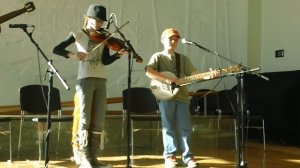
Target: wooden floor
pixel 210 151
pixel 273 157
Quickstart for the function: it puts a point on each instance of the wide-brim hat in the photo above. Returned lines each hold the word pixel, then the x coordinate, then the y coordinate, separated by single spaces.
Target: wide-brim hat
pixel 96 11
pixel 167 33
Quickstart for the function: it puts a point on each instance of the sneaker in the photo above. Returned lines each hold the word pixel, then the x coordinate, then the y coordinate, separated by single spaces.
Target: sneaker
pixel 192 164
pixel 170 162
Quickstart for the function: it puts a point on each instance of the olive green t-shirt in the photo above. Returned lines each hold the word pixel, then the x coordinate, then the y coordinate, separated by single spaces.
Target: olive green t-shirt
pixel 162 63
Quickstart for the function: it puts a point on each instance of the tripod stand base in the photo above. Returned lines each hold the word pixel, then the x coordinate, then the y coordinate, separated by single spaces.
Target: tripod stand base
pixel 242 165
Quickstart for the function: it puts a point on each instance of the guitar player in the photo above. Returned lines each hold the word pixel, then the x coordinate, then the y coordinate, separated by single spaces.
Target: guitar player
pixel 175 113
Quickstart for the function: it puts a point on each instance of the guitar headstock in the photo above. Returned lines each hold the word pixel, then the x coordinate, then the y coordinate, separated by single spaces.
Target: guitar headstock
pixel 232 69
pixel 29 7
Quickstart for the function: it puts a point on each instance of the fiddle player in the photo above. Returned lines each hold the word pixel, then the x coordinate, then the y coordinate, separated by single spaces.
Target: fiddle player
pixel 175 115
pixel 90 87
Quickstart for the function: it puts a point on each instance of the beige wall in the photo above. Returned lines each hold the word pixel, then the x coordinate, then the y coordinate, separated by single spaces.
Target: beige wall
pixel 254 33
pixel 220 25
pixel 280 29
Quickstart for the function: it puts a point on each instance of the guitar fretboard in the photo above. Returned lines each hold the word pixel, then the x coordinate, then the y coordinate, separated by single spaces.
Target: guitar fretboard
pixel 208 75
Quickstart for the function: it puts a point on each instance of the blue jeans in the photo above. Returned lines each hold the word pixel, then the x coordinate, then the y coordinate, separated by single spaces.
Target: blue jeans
pixel 176 120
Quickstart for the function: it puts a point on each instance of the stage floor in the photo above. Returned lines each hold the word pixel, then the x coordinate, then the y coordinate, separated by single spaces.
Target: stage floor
pixel 274 157
pixel 212 148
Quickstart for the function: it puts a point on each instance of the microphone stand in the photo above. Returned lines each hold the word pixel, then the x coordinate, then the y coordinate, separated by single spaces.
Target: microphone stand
pixel 132 54
pixel 240 158
pixel 244 68
pixel 51 71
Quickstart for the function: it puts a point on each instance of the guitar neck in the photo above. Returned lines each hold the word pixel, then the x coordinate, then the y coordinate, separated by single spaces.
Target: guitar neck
pixel 208 75
pixel 11 15
pixel 200 76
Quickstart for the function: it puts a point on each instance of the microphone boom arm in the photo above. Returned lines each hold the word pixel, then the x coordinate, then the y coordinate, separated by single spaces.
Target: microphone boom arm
pixel 130 47
pixel 220 56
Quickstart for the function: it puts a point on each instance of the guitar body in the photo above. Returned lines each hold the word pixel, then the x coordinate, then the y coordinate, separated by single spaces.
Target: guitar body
pixel 163 91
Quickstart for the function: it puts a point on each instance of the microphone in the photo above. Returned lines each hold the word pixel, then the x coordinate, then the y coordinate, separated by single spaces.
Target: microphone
pixel 22 26
pixel 185 41
pixel 109 20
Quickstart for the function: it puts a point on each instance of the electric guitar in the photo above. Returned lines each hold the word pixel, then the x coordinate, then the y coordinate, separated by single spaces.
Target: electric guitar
pixel 163 91
pixel 29 7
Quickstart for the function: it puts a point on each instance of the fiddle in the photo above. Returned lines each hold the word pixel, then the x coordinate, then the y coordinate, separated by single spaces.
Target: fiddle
pixel 113 43
pixel 106 37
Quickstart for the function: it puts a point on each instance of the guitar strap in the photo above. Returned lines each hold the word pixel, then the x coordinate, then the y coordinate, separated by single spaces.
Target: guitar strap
pixel 178 69
pixel 85 32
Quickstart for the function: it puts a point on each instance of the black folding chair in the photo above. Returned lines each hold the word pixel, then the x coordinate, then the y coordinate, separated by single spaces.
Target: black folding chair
pixel 34 100
pixel 5 132
pixel 142 105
